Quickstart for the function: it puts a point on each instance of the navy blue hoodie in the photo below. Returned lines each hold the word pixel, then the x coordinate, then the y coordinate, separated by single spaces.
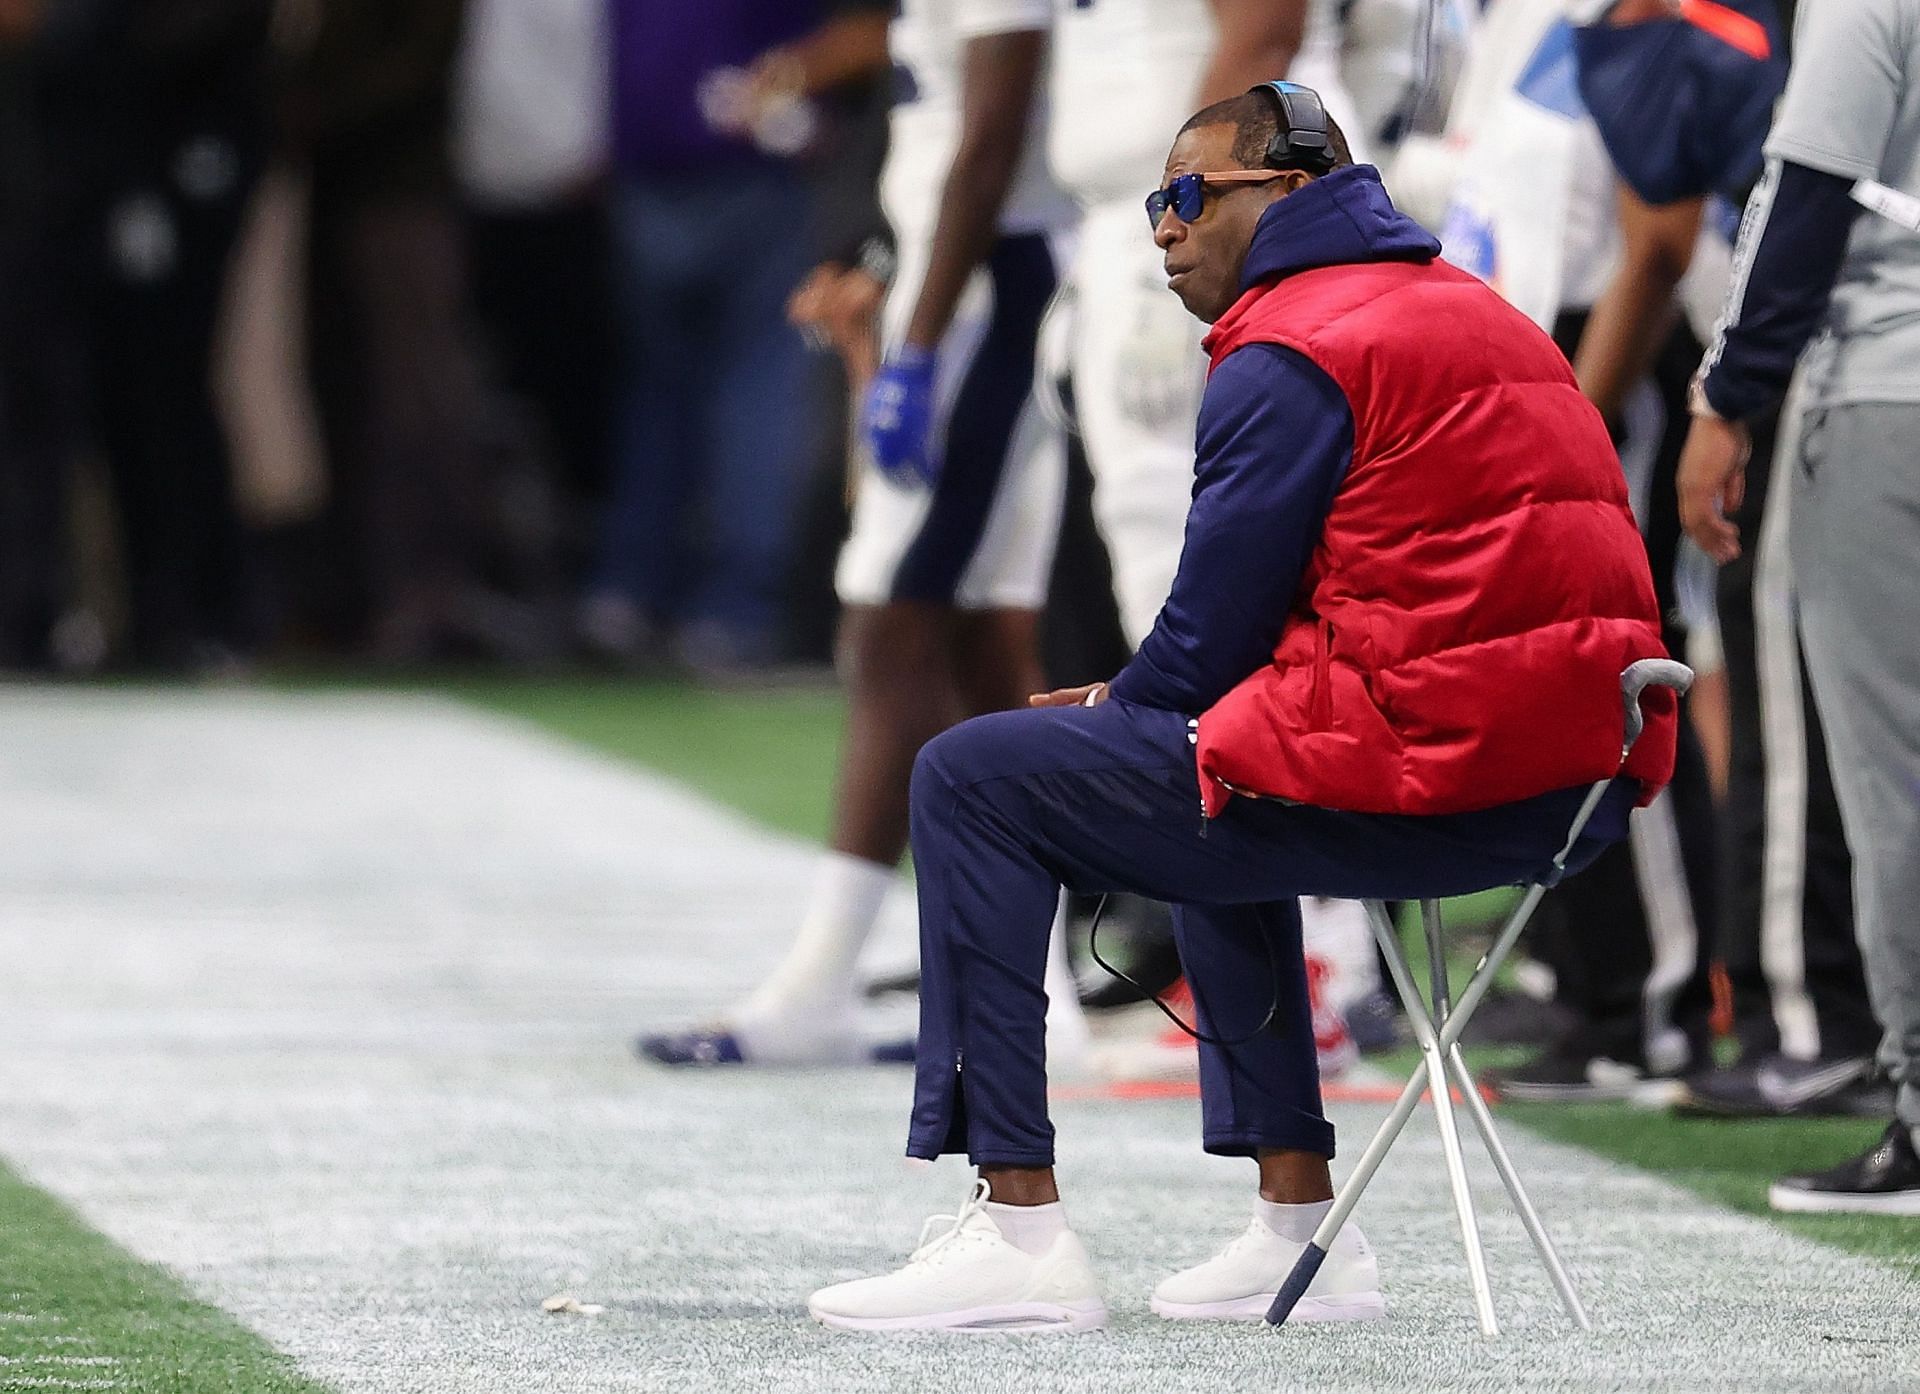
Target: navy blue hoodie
pixel 1274 442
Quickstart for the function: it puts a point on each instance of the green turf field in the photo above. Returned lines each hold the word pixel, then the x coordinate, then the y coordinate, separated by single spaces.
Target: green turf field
pixel 76 1312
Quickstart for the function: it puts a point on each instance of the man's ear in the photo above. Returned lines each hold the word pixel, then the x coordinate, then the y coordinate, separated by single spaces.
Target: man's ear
pixel 1290 182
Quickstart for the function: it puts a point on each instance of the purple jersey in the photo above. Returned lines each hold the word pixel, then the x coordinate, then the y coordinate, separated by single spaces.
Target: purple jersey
pixel 664 49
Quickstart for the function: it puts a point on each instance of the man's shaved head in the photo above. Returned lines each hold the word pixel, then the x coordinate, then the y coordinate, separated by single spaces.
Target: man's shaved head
pixel 1255 119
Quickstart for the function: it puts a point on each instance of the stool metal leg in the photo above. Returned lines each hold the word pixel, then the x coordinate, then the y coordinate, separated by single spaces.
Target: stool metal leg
pixel 1433 1053
pixel 1483 1119
pixel 1344 1201
pixel 1389 1132
pixel 1439 1033
pixel 1502 1163
pixel 1442 991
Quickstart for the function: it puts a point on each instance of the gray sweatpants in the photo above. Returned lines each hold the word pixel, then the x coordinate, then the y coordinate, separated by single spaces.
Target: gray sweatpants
pixel 1856 555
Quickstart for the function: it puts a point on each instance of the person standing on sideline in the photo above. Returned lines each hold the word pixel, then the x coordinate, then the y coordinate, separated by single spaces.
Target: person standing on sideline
pixel 1830 246
pixel 1136 365
pixel 1688 156
pixel 958 498
pixel 154 122
pixel 1398 490
pixel 1520 191
pixel 710 204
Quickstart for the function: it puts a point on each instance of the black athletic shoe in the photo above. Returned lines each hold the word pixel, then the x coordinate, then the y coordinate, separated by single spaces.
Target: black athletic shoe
pixel 1883 1180
pixel 906 983
pixel 1135 935
pixel 1375 1025
pixel 1780 1087
pixel 1505 1017
pixel 1562 1076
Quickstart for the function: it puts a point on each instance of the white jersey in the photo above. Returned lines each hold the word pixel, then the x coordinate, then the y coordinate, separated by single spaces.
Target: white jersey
pixel 928 43
pixel 1127 74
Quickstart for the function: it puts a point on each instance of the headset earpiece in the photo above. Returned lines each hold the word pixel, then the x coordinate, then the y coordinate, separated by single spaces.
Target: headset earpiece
pixel 1302 140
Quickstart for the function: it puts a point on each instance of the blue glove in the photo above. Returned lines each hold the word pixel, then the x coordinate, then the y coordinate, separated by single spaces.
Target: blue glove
pixel 897 418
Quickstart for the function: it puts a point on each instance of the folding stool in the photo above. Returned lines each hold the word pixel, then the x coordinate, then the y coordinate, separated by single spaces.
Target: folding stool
pixel 1437 1026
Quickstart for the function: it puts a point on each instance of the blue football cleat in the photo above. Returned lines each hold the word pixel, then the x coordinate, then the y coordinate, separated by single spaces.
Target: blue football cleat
pixel 701 1046
pixel 716 1045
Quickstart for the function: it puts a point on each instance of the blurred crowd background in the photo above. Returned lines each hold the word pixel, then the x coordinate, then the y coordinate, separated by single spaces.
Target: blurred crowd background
pixel 329 329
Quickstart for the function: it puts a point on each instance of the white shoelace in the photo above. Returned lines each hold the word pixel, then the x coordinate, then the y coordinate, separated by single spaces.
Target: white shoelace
pixel 928 1247
pixel 1254 1233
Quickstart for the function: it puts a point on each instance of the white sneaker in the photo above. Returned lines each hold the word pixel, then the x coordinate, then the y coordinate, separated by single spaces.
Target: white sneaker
pixel 968 1278
pixel 821 1032
pixel 1240 1282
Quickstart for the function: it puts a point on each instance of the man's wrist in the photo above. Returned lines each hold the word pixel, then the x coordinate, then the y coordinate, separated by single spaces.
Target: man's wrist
pixel 910 356
pixel 1699 405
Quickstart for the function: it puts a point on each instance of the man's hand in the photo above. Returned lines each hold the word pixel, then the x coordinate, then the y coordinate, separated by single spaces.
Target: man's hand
pixel 1713 480
pixel 898 417
pixel 838 308
pixel 1092 695
pixel 806 307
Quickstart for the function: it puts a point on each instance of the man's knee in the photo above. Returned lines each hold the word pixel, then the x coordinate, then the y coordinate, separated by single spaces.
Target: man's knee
pixel 944 765
pixel 958 761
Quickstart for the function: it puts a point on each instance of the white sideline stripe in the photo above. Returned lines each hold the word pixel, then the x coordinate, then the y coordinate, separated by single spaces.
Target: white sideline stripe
pixel 322 1002
pixel 1661 873
pixel 1783 735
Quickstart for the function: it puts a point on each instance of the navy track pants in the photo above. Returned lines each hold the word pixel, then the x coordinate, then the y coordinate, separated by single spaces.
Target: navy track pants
pixel 1008 808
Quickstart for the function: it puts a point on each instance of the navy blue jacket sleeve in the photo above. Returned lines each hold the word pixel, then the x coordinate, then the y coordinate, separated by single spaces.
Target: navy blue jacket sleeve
pixel 1791 246
pixel 1275 440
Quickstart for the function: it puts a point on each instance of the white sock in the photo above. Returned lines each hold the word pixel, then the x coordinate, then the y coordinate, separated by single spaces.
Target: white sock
pixel 1029 1228
pixel 1292 1222
pixel 841 913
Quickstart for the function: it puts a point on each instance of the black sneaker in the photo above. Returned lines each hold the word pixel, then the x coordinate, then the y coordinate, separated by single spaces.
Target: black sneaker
pixel 1375 1025
pixel 1561 1076
pixel 1883 1180
pixel 1781 1087
pixel 1505 1017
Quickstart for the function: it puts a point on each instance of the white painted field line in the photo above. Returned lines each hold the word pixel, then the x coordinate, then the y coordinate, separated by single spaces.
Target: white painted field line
pixel 323 1002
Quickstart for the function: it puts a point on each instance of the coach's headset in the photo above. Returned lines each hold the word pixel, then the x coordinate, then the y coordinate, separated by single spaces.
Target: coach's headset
pixel 1303 140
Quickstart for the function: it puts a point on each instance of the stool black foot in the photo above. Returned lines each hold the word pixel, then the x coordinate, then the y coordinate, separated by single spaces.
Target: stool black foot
pixel 1297 1283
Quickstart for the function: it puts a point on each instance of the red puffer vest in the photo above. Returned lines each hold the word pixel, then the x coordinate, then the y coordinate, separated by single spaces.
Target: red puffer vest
pixel 1459 635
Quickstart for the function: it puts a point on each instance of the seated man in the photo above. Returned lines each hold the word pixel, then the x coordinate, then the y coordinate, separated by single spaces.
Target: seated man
pixel 1389 667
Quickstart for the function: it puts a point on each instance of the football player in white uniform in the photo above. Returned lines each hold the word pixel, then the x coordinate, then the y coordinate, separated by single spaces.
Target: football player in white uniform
pixel 1124 73
pixel 959 488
